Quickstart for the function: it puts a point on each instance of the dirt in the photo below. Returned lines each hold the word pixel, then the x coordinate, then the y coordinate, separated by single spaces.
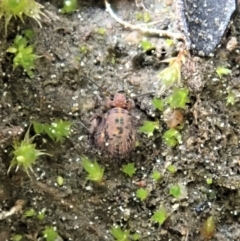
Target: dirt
pixel 83 210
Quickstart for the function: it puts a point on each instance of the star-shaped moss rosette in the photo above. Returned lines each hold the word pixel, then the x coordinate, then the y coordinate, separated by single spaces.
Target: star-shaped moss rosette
pixel 19 8
pixel 25 154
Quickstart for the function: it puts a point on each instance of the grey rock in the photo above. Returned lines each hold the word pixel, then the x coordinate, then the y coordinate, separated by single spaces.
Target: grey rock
pixel 204 22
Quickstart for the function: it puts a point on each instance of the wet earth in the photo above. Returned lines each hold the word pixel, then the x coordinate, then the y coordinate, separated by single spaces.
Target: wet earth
pixel 91 43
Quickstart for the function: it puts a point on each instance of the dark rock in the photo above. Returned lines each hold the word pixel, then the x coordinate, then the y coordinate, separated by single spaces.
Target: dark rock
pixel 205 22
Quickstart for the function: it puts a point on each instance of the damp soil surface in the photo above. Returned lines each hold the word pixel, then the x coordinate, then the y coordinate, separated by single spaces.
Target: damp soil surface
pixel 91 43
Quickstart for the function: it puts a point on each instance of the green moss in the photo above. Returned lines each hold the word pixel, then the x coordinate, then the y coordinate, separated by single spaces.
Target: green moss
pixel 146 45
pixel 148 127
pixel 50 234
pixel 172 137
pixel 142 194
pixel 57 130
pixel 94 170
pixel 160 215
pixel 69 6
pixel 158 104
pixel 156 175
pixel 19 8
pixel 172 168
pixel 179 98
pixel 221 70
pixel 129 169
pixel 175 191
pixel 123 235
pixel 24 55
pixel 25 154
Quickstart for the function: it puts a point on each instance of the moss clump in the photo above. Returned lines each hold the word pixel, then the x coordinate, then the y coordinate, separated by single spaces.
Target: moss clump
pixel 19 8
pixel 24 55
pixel 25 154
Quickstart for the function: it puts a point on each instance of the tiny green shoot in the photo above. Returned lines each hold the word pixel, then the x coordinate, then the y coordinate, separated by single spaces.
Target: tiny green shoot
pixel 60 180
pixel 142 194
pixel 231 98
pixel 112 59
pixel 208 228
pixel 179 98
pixel 172 137
pixel 139 16
pixel 84 49
pixel 119 234
pixel 101 31
pixel 169 42
pixel 175 190
pixel 146 17
pixel 160 215
pixel 50 234
pixel 158 103
pixel 57 130
pixel 25 154
pixel 172 168
pixel 94 170
pixel 135 236
pixel 24 55
pixel 123 235
pixel 41 214
pixel 209 181
pixel 16 237
pixel 156 175
pixel 69 6
pixel 178 191
pixel 146 45
pixel 129 169
pixel 30 213
pixel 221 70
pixel 148 127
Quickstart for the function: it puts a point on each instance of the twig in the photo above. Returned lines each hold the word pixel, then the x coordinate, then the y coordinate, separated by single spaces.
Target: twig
pixel 149 31
pixel 18 206
pixel 187 233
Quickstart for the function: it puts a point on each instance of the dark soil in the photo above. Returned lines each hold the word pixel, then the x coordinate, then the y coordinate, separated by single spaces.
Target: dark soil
pixel 85 211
